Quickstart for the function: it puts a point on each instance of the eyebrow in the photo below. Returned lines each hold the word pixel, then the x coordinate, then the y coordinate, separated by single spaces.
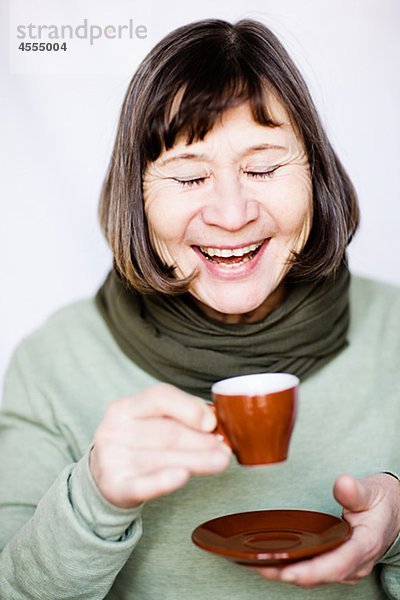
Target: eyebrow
pixel 199 157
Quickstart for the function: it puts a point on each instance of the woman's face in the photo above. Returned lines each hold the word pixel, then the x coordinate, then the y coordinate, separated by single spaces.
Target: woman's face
pixel 233 207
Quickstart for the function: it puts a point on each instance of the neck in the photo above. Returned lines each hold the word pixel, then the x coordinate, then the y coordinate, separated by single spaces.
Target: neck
pixel 274 300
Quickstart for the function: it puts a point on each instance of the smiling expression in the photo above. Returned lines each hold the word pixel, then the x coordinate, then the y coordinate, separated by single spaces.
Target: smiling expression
pixel 233 207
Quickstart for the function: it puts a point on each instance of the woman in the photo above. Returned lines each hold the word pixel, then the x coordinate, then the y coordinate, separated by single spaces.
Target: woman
pixel 228 214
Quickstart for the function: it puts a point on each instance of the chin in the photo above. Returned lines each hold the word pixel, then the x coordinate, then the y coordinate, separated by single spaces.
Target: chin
pixel 233 306
pixel 245 303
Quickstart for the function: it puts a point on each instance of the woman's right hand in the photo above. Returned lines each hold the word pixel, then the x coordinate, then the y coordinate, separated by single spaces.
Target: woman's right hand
pixel 150 444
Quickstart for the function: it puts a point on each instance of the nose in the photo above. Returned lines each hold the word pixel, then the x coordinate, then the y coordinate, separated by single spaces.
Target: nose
pixel 229 206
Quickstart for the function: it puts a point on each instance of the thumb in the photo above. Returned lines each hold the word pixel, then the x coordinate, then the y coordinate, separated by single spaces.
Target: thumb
pixel 353 494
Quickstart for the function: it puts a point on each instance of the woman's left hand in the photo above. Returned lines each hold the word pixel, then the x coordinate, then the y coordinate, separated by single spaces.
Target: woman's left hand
pixel 372 507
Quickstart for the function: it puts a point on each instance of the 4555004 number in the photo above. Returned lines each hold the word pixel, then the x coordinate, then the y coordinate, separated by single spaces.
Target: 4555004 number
pixel 42 46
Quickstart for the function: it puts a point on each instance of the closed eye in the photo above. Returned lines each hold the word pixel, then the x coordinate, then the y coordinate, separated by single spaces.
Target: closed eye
pixel 261 174
pixel 188 183
pixel 196 181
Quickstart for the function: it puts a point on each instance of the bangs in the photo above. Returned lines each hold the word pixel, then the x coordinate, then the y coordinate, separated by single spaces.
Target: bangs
pixel 195 103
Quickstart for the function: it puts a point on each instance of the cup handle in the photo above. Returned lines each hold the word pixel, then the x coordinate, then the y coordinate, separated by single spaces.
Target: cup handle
pixel 219 431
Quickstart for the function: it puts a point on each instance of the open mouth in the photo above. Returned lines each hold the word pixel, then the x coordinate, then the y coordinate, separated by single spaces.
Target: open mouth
pixel 231 256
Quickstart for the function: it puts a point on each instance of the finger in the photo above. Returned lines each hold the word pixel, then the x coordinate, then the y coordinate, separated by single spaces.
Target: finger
pixel 165 400
pixel 353 494
pixel 270 573
pixel 334 566
pixel 157 484
pixel 360 574
pixel 276 574
pixel 356 577
pixel 167 433
pixel 196 462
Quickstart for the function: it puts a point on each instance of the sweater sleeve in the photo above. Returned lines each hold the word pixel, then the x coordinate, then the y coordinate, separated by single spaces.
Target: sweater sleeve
pixel 390 573
pixel 59 538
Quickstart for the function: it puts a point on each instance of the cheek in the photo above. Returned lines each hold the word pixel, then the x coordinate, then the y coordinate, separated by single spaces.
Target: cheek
pixel 293 208
pixel 167 219
pixel 167 222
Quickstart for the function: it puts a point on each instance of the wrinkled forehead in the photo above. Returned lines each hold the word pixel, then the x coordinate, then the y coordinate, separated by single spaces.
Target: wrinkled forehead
pixel 236 130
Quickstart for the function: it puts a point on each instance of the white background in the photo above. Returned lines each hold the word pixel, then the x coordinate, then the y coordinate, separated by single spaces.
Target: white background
pixel 59 114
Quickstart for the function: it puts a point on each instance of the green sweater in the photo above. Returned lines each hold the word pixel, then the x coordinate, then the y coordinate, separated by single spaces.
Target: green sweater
pixel 60 539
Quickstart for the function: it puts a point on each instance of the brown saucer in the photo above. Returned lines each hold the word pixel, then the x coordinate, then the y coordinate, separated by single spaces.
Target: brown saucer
pixel 271 537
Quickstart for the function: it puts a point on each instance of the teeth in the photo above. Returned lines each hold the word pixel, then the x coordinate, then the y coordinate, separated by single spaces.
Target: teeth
pixel 224 253
pixel 227 253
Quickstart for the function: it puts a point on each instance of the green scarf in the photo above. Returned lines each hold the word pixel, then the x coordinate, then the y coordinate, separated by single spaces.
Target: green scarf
pixel 170 338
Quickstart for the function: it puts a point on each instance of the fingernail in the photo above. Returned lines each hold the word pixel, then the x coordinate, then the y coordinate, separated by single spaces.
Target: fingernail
pixel 208 422
pixel 289 576
pixel 225 449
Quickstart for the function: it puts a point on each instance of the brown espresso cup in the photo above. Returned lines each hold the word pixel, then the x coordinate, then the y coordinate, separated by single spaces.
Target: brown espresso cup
pixel 256 415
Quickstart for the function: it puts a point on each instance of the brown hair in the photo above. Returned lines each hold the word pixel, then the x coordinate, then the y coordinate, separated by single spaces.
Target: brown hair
pixel 212 65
